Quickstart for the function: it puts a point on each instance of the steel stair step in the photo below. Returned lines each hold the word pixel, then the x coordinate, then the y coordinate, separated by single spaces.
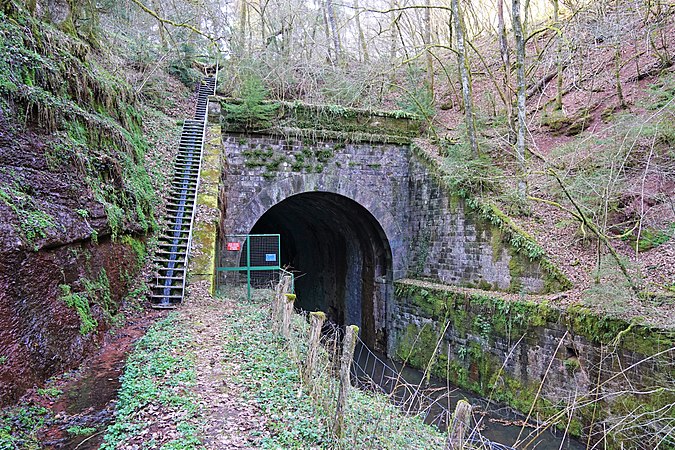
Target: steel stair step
pixel 173 245
pixel 180 238
pixel 179 254
pixel 163 286
pixel 171 231
pixel 168 278
pixel 166 269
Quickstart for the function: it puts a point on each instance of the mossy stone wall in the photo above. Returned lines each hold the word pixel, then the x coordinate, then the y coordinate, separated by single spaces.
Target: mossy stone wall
pixel 333 121
pixel 525 352
pixel 208 216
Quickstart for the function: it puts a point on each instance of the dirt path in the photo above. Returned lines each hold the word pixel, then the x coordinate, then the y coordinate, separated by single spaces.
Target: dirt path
pixel 232 422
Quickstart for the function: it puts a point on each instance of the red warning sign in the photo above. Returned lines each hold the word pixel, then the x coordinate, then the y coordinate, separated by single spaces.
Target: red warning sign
pixel 233 246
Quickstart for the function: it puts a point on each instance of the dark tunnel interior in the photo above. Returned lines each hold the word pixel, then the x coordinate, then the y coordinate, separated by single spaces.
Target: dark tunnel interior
pixel 340 256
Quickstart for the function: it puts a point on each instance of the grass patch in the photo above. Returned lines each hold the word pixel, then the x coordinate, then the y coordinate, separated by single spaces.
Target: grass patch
pixel 268 366
pixel 156 383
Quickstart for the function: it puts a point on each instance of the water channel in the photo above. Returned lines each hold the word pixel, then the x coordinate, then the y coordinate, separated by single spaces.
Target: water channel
pixel 500 425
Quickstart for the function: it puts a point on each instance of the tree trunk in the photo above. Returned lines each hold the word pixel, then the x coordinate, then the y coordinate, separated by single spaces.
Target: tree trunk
pixel 157 6
pixel 326 28
pixel 617 75
pixel 559 63
pixel 330 13
pixel 262 7
pixel 465 77
pixel 243 20
pixel 427 43
pixel 506 63
pixel 362 38
pixel 520 80
pixel 392 36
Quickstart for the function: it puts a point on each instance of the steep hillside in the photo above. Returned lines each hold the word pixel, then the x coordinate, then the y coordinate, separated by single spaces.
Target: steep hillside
pixel 77 196
pixel 600 164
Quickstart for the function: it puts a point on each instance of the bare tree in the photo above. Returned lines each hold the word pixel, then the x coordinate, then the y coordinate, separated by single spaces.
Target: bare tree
pixel 334 31
pixel 520 82
pixel 465 77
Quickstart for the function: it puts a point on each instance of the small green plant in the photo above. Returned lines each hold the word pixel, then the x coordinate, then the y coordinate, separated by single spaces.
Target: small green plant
pixel 98 291
pixel 483 326
pixel 572 364
pixel 50 392
pixel 181 66
pixel 80 304
pixel 3 360
pixel 651 238
pixel 252 113
pixel 77 430
pixel 468 174
pixel 462 352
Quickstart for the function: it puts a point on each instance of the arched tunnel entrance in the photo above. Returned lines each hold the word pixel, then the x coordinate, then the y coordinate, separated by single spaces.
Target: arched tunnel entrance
pixel 341 257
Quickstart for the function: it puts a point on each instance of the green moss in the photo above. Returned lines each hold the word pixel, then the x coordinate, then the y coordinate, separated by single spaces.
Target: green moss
pixel 80 304
pixel 98 292
pixel 138 247
pixel 494 219
pixel 416 346
pixel 33 222
pixel 480 317
pixel 93 118
pixel 349 123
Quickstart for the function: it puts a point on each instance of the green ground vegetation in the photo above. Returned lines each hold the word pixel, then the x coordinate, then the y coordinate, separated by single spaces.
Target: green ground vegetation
pixel 269 366
pixel 159 372
pixel 53 82
pixel 19 426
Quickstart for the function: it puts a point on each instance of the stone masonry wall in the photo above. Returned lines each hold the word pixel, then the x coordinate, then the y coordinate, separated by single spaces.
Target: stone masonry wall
pixel 452 246
pixel 261 171
pixel 429 231
pixel 595 370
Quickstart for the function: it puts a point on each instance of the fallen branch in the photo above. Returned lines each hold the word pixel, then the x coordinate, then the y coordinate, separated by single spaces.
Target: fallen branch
pixel 586 222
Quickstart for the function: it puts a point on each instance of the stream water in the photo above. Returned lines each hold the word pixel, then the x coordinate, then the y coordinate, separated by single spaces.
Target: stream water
pixel 89 394
pixel 407 387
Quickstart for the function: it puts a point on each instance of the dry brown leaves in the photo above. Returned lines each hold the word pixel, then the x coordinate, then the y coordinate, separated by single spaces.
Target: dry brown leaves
pixel 232 422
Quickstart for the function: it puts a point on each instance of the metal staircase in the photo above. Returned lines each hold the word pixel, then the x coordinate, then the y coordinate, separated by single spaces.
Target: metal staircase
pixel 171 258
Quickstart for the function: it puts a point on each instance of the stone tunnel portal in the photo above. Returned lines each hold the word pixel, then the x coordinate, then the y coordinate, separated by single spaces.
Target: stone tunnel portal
pixel 341 257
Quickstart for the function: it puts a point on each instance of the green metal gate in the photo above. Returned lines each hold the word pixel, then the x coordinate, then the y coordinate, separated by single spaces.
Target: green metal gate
pixel 250 259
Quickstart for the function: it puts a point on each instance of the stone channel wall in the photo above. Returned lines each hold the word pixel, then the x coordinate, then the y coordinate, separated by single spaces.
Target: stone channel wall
pixel 595 370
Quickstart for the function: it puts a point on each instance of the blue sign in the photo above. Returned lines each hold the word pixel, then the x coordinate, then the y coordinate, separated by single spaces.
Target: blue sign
pixel 270 257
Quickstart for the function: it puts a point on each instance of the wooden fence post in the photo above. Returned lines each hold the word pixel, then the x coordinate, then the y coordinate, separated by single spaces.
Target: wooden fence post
pixel 346 359
pixel 460 424
pixel 316 320
pixel 278 302
pixel 287 313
